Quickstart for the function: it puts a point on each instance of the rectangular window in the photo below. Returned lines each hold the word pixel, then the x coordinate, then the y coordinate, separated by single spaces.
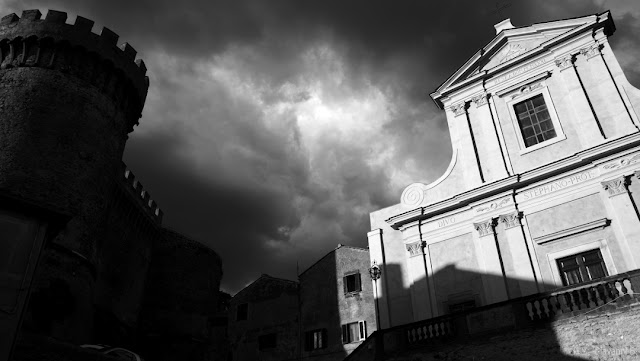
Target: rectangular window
pixel 534 120
pixel 582 267
pixel 462 306
pixel 315 340
pixel 352 283
pixel 267 341
pixel 354 332
pixel 242 312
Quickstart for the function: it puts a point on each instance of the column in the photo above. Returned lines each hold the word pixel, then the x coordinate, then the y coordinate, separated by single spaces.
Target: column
pixel 489 150
pixel 523 272
pixel 492 277
pixel 625 221
pixel 591 132
pixel 420 296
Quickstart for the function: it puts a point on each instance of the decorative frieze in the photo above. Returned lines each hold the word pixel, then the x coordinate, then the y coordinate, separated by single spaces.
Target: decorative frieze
pixel 510 220
pixel 494 205
pixel 485 228
pixel 480 99
pixel 458 109
pixel 564 62
pixel 622 162
pixel 526 90
pixel 591 51
pixel 616 186
pixel 416 248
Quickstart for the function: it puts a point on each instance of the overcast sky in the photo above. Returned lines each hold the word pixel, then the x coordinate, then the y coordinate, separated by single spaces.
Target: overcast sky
pixel 273 128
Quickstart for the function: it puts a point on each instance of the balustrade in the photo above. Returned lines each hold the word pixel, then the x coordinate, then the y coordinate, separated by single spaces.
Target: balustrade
pixel 585 297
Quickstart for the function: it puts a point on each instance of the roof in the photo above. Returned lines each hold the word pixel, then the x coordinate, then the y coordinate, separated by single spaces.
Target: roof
pixel 514 45
pixel 340 246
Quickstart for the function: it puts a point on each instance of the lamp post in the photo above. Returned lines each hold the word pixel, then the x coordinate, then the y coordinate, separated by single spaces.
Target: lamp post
pixel 375 272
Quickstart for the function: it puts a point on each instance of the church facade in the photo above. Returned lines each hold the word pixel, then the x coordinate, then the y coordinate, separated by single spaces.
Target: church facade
pixel 543 186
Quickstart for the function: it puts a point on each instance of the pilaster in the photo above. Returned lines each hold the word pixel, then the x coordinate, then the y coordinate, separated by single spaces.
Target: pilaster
pixel 522 273
pixel 626 222
pixel 489 151
pixel 420 297
pixel 492 276
pixel 604 95
pixel 591 132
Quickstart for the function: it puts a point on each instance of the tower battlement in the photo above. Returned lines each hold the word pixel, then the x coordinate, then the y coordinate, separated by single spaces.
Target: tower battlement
pixel 51 43
pixel 142 196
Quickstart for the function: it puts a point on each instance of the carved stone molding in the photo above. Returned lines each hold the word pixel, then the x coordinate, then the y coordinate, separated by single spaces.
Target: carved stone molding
pixel 622 162
pixel 413 195
pixel 591 51
pixel 480 99
pixel 510 220
pixel 485 228
pixel 416 248
pixel 526 90
pixel 458 109
pixel 564 62
pixel 494 205
pixel 616 186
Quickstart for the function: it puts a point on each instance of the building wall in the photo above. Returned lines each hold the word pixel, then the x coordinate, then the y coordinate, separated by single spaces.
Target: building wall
pixel 273 308
pixel 325 305
pixel 494 225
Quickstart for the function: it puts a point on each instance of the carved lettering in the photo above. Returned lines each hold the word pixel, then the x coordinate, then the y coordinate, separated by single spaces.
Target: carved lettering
pixel 519 71
pixel 446 221
pixel 558 185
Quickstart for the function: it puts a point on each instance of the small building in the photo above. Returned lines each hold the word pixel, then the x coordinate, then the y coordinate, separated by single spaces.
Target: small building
pixel 337 304
pixel 324 316
pixel 264 322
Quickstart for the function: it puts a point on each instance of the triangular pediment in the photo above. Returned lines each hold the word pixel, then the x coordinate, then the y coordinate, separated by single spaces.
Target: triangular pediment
pixel 514 44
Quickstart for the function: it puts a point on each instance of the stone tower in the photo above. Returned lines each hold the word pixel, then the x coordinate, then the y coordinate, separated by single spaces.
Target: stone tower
pixel 68 100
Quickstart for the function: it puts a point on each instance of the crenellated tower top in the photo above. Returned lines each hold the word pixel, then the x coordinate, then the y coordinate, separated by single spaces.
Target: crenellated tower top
pixel 30 41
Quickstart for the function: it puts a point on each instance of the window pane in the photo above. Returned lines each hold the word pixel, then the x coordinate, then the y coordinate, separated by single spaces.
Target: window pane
pixel 353 332
pixel 595 271
pixel 572 277
pixel 534 120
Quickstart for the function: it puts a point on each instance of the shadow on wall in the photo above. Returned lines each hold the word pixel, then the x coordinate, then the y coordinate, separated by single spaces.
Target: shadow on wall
pixel 589 321
pixel 320 312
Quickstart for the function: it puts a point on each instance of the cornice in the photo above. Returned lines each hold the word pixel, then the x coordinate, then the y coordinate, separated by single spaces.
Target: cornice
pixel 517 181
pixel 450 86
pixel 600 223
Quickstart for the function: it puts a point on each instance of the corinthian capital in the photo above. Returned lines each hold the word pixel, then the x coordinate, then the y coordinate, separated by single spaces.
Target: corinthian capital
pixel 564 62
pixel 510 220
pixel 616 186
pixel 458 109
pixel 485 228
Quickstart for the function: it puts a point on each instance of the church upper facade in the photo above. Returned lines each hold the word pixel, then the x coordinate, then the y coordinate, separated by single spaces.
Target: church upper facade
pixel 542 188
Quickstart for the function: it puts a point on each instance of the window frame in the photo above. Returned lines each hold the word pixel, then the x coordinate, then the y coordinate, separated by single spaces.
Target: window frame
pixel 524 96
pixel 600 244
pixel 361 327
pixel 582 268
pixel 246 313
pixel 309 339
pixel 358 283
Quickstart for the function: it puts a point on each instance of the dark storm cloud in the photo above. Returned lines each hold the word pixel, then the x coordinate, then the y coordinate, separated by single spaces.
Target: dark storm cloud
pixel 226 145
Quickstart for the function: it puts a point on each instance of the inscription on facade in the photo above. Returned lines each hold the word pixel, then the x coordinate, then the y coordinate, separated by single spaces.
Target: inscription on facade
pixel 559 184
pixel 446 221
pixel 519 71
